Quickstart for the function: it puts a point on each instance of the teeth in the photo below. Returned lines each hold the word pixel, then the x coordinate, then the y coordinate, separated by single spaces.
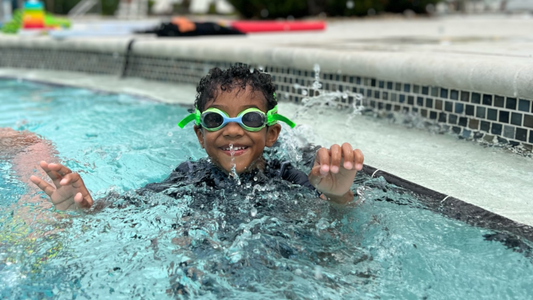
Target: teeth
pixel 234 148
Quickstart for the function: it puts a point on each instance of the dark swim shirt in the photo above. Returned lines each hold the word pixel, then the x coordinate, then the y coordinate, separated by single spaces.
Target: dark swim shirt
pixel 203 172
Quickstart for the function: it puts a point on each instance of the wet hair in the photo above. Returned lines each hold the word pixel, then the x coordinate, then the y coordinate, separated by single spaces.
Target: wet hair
pixel 238 76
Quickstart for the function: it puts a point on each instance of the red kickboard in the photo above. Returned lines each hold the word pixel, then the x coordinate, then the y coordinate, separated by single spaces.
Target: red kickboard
pixel 271 26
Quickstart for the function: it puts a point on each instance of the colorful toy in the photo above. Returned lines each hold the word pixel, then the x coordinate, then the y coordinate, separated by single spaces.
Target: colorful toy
pixel 18 21
pixel 33 15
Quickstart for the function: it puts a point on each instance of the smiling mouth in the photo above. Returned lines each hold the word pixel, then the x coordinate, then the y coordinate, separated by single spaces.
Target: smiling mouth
pixel 236 151
pixel 240 148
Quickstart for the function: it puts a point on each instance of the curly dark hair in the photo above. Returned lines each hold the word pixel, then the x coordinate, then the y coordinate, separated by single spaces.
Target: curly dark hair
pixel 238 76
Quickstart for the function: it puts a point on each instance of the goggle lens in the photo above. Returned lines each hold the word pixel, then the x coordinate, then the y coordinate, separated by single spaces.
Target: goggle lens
pixel 253 119
pixel 212 120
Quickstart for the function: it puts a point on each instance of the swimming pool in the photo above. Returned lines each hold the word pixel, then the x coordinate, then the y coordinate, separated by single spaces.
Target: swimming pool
pixel 386 245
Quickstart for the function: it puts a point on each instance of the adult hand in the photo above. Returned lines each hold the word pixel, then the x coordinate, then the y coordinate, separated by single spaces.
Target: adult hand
pixel 334 171
pixel 69 191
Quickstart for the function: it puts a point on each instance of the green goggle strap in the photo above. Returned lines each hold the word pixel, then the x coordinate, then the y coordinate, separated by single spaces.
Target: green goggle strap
pixel 272 118
pixel 192 117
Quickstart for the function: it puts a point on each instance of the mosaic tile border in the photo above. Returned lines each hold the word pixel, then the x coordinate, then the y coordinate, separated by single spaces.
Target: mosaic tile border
pixel 62 60
pixel 469 114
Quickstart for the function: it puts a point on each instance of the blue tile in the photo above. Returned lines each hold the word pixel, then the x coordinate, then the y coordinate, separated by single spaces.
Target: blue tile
pixel 470 110
pixel 504 116
pixel 511 103
pixel 485 126
pixel 407 88
pixel 402 98
pixel 498 101
pixel 487 99
pixel 496 129
pixel 448 106
pixel 425 90
pixel 521 134
pixel 465 96
pixel 508 131
pixel 524 105
pixel 459 107
pixel 492 114
pixel 443 93
pixel 442 117
pixel 480 112
pixel 463 121
pixel 516 119
pixel 466 133
pixel 454 94
pixel 452 119
pixel 419 101
pixel 476 98
pixel 429 103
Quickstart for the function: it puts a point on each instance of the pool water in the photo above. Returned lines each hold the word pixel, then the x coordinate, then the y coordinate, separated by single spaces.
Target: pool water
pixel 249 241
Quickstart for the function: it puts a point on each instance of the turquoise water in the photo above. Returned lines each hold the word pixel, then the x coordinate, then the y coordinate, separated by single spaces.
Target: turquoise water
pixel 248 242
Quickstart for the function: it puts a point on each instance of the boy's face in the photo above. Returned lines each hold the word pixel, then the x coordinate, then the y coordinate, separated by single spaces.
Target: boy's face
pixel 248 146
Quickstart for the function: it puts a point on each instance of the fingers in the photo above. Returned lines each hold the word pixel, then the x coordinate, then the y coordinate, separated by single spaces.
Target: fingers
pixel 335 158
pixel 322 161
pixel 43 185
pixel 331 160
pixel 359 159
pixel 348 156
pixel 55 171
pixel 60 169
pixel 83 201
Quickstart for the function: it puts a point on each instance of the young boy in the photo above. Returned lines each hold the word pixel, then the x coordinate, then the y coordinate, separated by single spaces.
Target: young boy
pixel 236 118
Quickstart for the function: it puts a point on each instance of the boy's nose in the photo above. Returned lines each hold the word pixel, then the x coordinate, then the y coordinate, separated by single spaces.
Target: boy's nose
pixel 233 129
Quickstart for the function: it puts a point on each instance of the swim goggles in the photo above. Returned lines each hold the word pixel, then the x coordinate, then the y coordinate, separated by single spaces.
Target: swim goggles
pixel 251 119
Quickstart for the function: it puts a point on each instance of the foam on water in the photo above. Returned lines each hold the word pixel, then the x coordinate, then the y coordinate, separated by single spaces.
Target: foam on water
pixel 263 238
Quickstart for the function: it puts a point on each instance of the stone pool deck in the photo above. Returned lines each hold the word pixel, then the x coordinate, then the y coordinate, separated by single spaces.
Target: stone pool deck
pixel 493 54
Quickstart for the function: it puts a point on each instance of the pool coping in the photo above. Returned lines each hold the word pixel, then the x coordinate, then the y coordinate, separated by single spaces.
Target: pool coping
pixel 434 201
pixel 508 76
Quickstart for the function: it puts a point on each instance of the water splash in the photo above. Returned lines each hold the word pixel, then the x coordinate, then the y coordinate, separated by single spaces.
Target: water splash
pixel 233 172
pixel 322 99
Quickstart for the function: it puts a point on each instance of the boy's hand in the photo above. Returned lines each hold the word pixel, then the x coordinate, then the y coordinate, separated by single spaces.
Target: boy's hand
pixel 69 191
pixel 334 171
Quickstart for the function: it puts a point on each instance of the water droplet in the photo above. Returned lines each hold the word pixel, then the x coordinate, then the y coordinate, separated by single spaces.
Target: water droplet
pixel 304 92
pixel 169 133
pixel 255 178
pixel 318 272
pixel 322 224
pixel 252 69
pixel 298 272
pixel 253 212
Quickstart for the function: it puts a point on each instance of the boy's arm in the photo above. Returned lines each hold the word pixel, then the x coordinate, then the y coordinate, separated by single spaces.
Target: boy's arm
pixel 334 171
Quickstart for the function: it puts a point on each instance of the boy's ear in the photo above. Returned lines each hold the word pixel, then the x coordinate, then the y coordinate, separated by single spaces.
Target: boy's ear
pixel 272 134
pixel 199 135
